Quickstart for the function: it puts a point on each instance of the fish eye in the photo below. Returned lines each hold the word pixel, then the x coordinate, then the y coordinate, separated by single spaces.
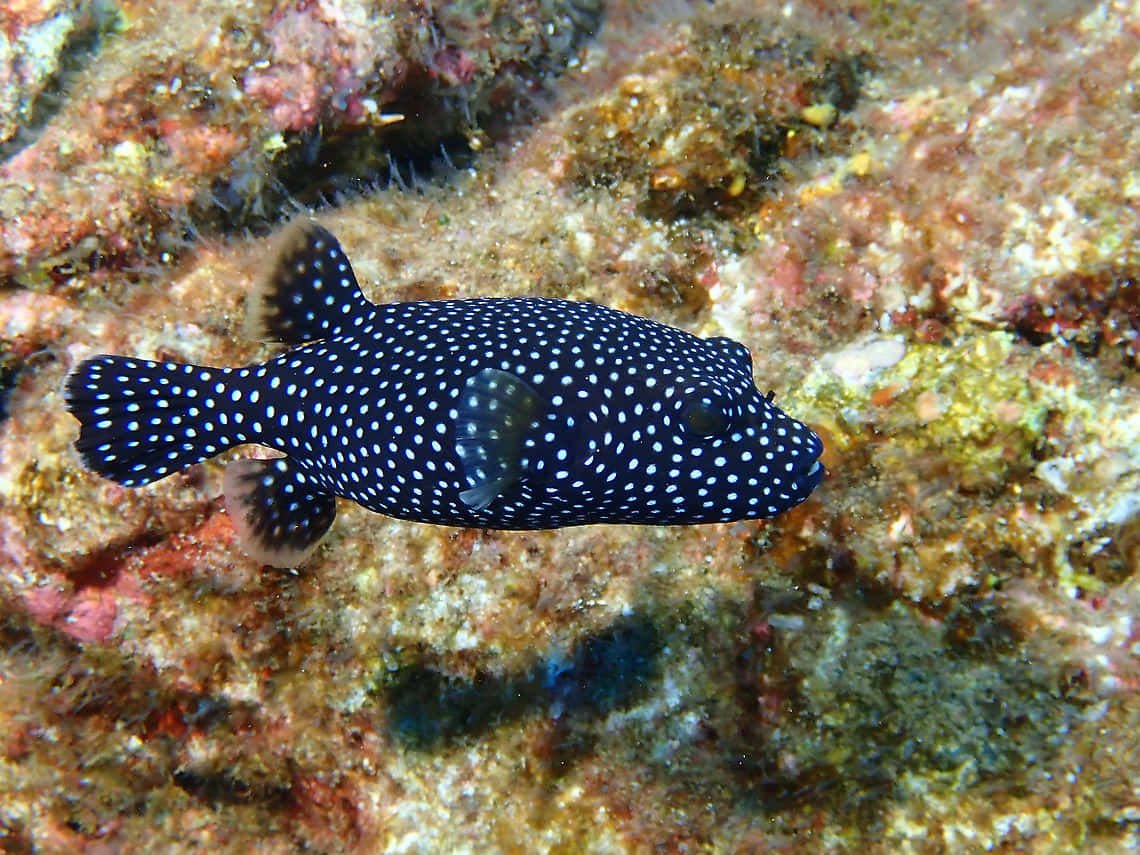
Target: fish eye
pixel 704 417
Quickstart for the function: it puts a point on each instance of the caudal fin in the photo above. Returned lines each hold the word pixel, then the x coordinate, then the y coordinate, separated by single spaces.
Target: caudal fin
pixel 141 420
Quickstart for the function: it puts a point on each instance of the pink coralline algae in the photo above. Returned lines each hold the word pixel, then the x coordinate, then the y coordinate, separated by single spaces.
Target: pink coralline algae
pixel 87 615
pixel 453 66
pixel 320 56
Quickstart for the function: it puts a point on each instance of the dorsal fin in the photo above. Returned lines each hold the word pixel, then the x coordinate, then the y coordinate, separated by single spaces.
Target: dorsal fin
pixel 495 411
pixel 308 291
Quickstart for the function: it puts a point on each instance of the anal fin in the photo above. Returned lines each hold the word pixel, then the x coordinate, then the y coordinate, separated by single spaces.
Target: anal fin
pixel 495 411
pixel 279 516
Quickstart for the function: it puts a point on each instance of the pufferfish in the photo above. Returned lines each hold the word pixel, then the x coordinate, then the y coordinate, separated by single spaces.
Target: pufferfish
pixel 502 413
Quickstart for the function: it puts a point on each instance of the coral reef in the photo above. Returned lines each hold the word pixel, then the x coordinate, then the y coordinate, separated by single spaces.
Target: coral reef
pixel 200 114
pixel 704 123
pixel 38 42
pixel 920 217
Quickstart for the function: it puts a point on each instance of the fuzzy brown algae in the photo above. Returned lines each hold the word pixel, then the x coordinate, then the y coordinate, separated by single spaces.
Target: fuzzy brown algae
pixel 516 413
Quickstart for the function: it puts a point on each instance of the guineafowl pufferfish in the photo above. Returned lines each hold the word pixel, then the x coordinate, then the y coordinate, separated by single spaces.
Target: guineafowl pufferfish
pixel 507 413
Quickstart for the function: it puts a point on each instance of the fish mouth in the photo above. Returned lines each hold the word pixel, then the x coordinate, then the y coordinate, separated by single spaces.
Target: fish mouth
pixel 809 480
pixel 806 478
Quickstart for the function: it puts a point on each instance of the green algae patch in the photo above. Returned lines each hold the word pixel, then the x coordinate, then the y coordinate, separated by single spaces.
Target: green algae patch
pixel 703 124
pixel 966 401
pixel 974 458
pixel 888 698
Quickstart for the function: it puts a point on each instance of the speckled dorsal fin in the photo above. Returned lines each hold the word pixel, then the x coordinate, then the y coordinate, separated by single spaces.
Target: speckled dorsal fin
pixel 308 291
pixel 495 411
pixel 279 516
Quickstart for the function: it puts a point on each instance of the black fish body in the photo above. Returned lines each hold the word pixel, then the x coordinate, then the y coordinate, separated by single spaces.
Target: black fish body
pixel 492 413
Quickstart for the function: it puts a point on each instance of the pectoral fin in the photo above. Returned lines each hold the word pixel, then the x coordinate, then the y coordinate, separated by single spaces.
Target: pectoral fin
pixel 495 411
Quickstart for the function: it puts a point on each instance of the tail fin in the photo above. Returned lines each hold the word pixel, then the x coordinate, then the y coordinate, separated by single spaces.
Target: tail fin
pixel 142 420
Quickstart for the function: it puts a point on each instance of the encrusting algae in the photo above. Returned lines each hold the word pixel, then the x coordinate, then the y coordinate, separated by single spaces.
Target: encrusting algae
pixel 979 415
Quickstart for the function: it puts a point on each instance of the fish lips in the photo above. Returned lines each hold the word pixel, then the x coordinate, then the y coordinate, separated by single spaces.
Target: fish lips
pixel 807 481
pixel 808 475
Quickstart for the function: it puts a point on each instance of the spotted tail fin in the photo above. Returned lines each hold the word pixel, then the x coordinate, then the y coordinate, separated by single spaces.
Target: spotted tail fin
pixel 141 420
pixel 308 291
